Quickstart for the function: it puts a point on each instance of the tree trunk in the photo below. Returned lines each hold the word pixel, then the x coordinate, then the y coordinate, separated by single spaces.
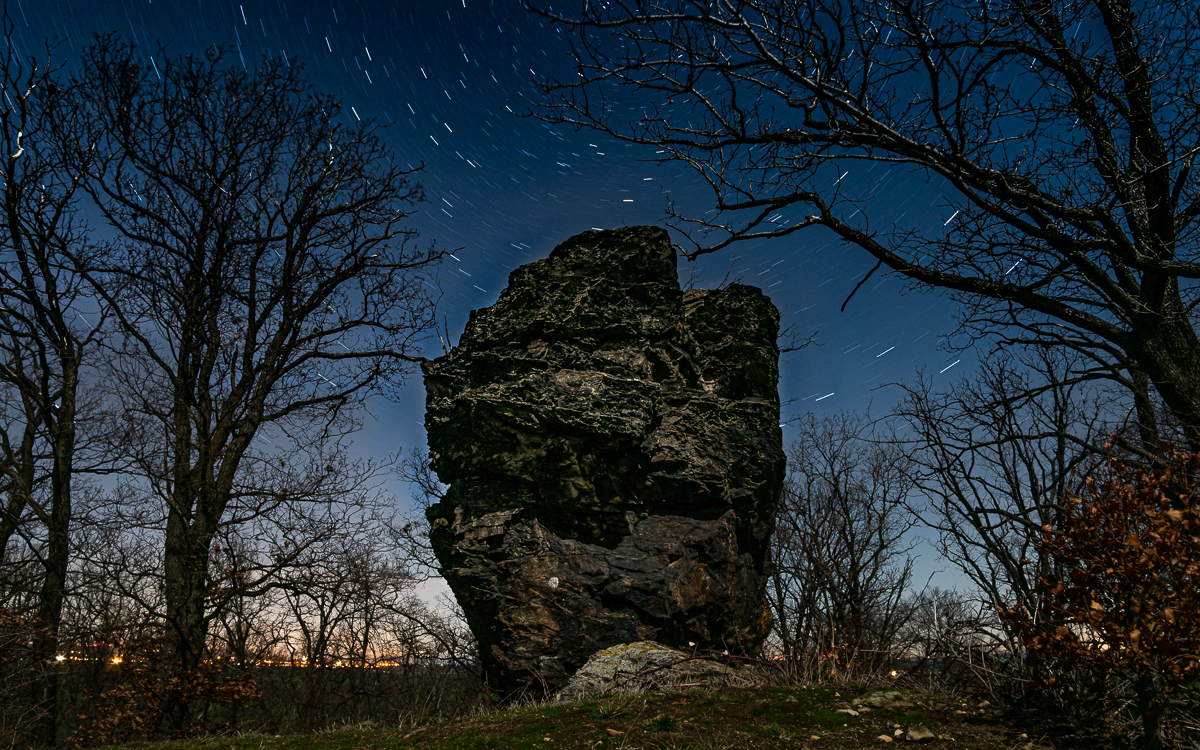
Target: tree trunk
pixel 1148 430
pixel 58 549
pixel 45 648
pixel 1171 357
pixel 1147 703
pixel 185 564
pixel 45 731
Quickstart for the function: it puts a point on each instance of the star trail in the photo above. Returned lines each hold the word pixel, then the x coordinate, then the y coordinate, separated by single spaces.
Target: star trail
pixel 452 83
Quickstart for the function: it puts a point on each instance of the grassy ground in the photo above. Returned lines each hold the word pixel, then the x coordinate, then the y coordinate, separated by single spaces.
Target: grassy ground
pixel 762 717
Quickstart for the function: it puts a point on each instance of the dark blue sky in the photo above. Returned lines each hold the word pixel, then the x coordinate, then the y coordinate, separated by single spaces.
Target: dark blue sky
pixel 446 77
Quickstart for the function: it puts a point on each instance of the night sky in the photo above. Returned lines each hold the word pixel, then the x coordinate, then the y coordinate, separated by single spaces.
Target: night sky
pixel 446 77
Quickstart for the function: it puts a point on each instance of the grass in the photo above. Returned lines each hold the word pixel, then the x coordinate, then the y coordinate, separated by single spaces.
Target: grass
pixel 661 723
pixel 763 717
pixel 610 710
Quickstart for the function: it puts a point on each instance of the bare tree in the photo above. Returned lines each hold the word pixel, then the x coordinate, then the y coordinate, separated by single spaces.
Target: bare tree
pixel 960 643
pixel 50 324
pixel 994 459
pixel 356 639
pixel 426 490
pixel 839 551
pixel 1060 138
pixel 262 285
pixel 339 601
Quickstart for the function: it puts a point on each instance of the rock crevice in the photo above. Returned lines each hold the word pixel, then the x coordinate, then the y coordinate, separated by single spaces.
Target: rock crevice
pixel 612 449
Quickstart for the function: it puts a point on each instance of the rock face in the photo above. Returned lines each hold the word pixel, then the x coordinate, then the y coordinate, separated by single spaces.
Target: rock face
pixel 614 459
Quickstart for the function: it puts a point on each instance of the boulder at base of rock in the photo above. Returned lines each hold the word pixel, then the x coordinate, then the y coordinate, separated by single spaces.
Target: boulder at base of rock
pixel 614 460
pixel 644 666
pixel 890 699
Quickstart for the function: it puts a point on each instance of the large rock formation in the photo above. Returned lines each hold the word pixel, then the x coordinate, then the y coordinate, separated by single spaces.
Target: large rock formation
pixel 613 454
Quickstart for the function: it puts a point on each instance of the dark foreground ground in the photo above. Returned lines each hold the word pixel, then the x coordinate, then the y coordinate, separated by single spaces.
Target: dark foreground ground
pixel 727 719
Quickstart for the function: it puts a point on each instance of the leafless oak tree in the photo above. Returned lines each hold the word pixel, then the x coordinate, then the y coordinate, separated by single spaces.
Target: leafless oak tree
pixel 261 285
pixel 995 458
pixel 1061 134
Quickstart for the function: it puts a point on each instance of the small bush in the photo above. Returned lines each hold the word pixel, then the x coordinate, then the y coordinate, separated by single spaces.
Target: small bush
pixel 1126 612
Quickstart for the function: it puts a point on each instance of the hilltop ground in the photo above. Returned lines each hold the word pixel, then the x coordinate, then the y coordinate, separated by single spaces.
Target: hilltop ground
pixel 725 719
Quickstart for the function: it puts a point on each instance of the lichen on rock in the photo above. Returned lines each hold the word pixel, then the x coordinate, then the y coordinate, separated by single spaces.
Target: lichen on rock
pixel 630 668
pixel 613 454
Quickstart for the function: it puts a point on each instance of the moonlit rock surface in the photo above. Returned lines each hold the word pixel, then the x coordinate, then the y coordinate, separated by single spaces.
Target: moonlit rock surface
pixel 614 459
pixel 630 668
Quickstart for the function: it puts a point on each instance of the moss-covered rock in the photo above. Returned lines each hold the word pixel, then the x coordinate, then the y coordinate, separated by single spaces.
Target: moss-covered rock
pixel 632 668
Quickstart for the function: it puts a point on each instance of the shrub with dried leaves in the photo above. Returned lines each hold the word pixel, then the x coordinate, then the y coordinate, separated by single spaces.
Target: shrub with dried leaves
pixel 134 709
pixel 1126 608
